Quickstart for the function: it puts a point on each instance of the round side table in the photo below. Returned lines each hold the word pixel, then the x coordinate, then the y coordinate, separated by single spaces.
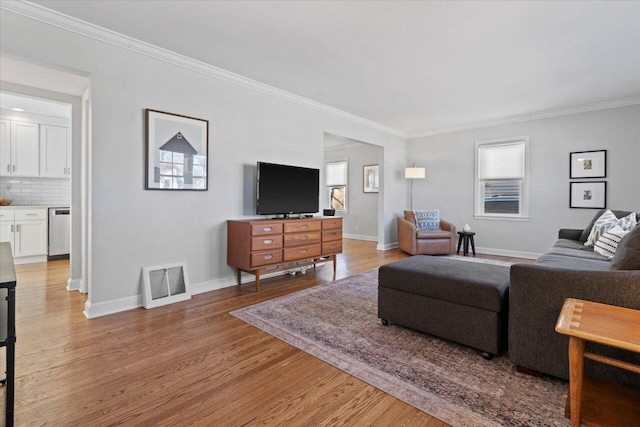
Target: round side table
pixel 464 237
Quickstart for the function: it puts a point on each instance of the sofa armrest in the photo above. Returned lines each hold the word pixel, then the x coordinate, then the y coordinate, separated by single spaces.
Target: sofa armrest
pixel 569 233
pixel 450 227
pixel 536 296
pixel 407 236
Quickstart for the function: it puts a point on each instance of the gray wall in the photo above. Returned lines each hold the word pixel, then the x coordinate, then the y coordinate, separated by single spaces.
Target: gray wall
pixel 449 162
pixel 132 228
pixel 361 222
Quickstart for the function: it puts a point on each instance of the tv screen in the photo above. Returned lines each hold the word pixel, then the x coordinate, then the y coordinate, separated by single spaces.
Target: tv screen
pixel 283 189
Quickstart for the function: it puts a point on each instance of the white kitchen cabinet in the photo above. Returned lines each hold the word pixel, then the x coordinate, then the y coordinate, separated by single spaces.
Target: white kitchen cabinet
pixel 19 151
pixel 55 152
pixel 25 229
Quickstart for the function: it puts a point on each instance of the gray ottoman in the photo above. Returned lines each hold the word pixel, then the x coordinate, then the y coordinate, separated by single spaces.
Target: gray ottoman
pixel 458 300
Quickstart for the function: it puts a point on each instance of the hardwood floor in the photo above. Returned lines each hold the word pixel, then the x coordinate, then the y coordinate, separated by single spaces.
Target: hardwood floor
pixel 186 363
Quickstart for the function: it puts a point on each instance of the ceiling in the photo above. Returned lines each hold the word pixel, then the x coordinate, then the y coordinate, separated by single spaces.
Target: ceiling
pixel 9 101
pixel 418 67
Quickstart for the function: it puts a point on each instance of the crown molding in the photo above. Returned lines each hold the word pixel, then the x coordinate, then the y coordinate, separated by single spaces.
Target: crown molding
pixel 624 102
pixel 57 19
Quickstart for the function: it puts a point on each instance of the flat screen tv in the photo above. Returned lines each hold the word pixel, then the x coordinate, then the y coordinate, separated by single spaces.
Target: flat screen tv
pixel 284 190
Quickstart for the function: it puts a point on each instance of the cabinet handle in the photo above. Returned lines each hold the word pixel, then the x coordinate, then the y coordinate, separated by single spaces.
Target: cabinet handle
pixel 18 228
pixel 267 242
pixel 31 214
pixel 12 228
pixel 304 227
pixel 268 256
pixel 268 229
pixel 303 251
pixel 304 237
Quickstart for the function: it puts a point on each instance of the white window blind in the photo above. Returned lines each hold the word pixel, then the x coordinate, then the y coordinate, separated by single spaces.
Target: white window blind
pixel 336 173
pixel 501 161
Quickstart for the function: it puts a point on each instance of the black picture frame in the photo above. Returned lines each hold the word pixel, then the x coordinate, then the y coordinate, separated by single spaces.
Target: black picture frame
pixel 588 164
pixel 588 195
pixel 176 152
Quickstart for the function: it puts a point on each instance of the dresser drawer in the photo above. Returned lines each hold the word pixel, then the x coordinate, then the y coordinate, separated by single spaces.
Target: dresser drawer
pixel 334 247
pixel 297 239
pixel 328 224
pixel 266 257
pixel 331 235
pixel 26 214
pixel 266 242
pixel 302 252
pixel 300 226
pixel 269 228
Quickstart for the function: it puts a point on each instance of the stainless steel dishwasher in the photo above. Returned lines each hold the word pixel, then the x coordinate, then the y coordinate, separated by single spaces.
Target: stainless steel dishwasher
pixel 59 233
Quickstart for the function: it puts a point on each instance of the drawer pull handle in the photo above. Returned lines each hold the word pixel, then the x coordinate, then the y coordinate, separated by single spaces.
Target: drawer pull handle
pixel 267 229
pixel 304 227
pixel 303 251
pixel 31 214
pixel 304 237
pixel 267 242
pixel 268 256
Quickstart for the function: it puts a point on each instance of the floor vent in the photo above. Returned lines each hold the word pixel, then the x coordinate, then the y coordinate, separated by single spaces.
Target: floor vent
pixel 164 285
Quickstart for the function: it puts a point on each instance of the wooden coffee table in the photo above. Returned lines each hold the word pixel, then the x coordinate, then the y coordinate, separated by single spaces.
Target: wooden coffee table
pixel 604 324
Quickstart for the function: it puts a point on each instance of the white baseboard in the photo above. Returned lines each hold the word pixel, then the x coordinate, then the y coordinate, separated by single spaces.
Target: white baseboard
pixel 29 259
pixel 74 284
pixel 387 247
pixel 361 237
pixel 504 252
pixel 110 307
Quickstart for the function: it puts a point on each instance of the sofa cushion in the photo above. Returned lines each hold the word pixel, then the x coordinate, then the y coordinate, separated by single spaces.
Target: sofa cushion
pixel 619 214
pixel 573 262
pixel 573 248
pixel 608 243
pixel 427 220
pixel 433 234
pixel 462 282
pixel 627 255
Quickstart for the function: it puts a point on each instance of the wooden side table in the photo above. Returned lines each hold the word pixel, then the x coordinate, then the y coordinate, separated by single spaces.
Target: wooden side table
pixel 604 324
pixel 466 237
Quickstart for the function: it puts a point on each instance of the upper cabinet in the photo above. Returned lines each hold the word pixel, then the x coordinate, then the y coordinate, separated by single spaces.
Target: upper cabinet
pixel 55 152
pixel 19 149
pixel 30 149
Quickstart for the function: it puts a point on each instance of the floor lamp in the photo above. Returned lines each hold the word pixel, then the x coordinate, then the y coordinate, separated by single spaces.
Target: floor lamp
pixel 411 174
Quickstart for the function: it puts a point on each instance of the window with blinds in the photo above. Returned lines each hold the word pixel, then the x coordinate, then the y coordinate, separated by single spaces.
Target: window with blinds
pixel 501 178
pixel 336 181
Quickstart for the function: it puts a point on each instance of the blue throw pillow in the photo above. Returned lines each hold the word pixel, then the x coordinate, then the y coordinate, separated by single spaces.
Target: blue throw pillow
pixel 427 220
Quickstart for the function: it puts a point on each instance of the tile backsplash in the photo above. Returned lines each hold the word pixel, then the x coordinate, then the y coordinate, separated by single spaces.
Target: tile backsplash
pixel 36 191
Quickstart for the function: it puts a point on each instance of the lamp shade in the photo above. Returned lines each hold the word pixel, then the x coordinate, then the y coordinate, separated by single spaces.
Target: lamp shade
pixel 414 173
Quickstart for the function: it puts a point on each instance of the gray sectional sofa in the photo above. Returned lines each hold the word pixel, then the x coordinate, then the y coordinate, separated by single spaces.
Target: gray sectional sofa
pixel 570 270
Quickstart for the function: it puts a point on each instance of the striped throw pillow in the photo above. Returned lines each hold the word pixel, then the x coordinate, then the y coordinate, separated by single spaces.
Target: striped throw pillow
pixel 608 243
pixel 609 220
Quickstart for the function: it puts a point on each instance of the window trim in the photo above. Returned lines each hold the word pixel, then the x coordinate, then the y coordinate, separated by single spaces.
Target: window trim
pixel 478 211
pixel 327 197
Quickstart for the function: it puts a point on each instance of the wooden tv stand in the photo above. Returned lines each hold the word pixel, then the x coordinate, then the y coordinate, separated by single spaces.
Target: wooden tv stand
pixel 260 246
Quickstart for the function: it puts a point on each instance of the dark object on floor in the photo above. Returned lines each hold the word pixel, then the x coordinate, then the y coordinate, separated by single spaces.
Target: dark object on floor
pixel 464 238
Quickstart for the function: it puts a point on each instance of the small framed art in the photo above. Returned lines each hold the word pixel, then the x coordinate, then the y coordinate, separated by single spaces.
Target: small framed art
pixel 588 195
pixel 177 152
pixel 588 164
pixel 370 179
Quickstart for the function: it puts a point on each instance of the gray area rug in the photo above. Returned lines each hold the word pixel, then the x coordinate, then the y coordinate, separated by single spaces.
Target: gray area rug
pixel 338 323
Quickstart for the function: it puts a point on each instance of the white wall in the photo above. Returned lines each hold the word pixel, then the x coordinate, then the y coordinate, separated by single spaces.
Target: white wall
pixel 449 162
pixel 133 228
pixel 361 221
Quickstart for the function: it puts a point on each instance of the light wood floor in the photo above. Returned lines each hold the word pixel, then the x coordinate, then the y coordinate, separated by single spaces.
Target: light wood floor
pixel 184 364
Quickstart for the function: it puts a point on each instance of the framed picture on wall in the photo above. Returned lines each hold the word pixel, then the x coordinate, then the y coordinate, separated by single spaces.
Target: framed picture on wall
pixel 588 164
pixel 588 195
pixel 370 179
pixel 177 152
